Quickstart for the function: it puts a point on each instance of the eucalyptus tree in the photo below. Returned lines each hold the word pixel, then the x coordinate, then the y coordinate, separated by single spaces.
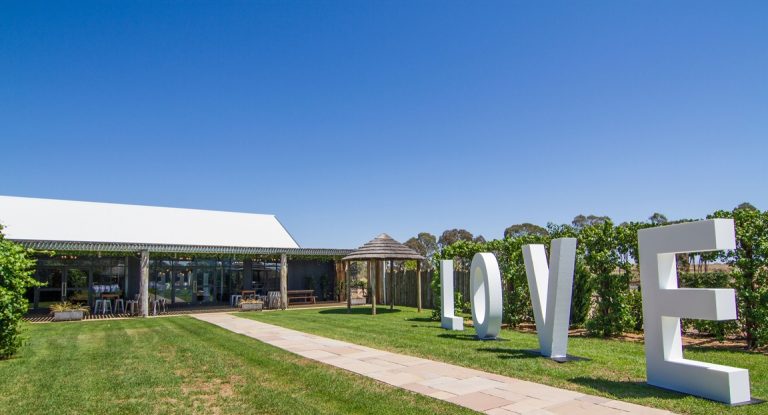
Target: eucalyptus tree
pixel 522 229
pixel 451 236
pixel 581 221
pixel 425 244
pixel 657 219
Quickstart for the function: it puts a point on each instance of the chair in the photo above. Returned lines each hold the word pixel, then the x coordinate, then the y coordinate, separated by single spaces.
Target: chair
pixel 274 299
pixel 234 299
pixel 106 304
pixel 119 303
pixel 156 304
pixel 99 304
pixel 132 305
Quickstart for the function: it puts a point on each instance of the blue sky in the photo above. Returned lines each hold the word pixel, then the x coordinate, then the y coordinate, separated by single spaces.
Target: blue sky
pixel 347 119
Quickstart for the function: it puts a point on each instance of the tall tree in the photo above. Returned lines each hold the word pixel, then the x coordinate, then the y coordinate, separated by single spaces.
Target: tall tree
pixel 424 243
pixel 479 239
pixel 581 221
pixel 451 236
pixel 746 205
pixel 522 229
pixel 657 219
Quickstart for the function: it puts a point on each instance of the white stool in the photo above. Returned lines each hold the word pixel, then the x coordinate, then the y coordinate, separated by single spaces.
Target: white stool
pixel 106 304
pixel 131 306
pixel 119 303
pixel 98 304
pixel 158 304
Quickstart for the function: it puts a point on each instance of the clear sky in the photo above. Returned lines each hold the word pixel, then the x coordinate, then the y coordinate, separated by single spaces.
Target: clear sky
pixel 348 119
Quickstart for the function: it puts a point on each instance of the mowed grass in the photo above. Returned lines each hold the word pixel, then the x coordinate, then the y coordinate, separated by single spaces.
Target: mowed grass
pixel 179 365
pixel 616 369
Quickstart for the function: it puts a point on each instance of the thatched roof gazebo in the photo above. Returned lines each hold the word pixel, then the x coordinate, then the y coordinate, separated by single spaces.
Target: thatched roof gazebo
pixel 376 252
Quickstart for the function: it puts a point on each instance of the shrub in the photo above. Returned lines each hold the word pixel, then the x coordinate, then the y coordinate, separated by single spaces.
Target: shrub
pixel 718 329
pixel 601 244
pixel 16 269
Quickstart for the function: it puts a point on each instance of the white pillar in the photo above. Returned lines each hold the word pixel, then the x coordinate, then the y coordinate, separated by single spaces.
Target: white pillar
pixel 144 284
pixel 284 281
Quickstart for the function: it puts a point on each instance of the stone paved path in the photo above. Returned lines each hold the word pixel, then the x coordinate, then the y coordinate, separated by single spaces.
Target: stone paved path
pixel 474 389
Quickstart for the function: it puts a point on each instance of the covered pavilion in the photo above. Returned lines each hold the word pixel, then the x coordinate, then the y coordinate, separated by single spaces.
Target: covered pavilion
pixel 376 253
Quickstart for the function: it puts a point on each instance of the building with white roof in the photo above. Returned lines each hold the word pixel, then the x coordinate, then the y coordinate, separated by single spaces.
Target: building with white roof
pixel 174 256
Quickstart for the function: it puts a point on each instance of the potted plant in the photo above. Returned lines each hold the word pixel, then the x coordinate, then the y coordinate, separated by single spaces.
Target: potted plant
pixel 358 294
pixel 251 304
pixel 66 311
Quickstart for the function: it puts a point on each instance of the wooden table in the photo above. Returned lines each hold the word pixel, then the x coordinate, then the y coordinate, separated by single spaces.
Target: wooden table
pixel 305 296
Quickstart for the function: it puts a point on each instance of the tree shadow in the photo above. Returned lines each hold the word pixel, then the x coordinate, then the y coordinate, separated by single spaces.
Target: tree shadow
pixel 624 389
pixel 359 311
pixel 421 319
pixel 504 353
pixel 466 337
pixel 458 336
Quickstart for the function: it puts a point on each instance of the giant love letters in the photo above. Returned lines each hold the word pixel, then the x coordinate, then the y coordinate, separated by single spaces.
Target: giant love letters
pixel 550 288
pixel 447 319
pixel 664 304
pixel 486 296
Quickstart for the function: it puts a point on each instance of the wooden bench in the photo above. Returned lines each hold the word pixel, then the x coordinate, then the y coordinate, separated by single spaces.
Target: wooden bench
pixel 305 296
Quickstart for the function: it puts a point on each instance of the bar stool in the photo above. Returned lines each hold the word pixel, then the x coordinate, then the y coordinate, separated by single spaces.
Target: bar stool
pixel 119 303
pixel 159 303
pixel 98 304
pixel 131 306
pixel 106 304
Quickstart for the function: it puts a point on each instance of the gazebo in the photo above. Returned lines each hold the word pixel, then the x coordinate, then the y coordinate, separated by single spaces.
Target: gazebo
pixel 376 253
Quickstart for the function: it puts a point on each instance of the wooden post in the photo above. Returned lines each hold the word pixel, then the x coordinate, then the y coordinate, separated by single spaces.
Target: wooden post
pixel 380 280
pixel 283 281
pixel 418 285
pixel 372 276
pixel 144 284
pixel 247 274
pixel 349 286
pixel 391 285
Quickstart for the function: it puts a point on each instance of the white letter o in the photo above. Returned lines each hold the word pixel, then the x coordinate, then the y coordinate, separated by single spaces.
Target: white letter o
pixel 486 295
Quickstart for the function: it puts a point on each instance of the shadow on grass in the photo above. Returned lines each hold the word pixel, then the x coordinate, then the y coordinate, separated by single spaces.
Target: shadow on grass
pixel 503 353
pixel 421 319
pixel 468 337
pixel 624 389
pixel 359 311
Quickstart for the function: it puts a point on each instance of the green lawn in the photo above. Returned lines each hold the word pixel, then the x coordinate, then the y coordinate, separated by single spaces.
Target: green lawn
pixel 179 365
pixel 616 368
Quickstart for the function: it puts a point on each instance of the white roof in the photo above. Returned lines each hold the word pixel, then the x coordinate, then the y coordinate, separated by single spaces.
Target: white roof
pixel 26 218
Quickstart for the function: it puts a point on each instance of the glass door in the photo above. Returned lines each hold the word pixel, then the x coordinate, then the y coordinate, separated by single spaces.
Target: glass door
pixel 76 285
pixel 55 288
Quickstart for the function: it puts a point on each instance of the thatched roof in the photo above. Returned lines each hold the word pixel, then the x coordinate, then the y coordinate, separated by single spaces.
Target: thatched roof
pixel 383 247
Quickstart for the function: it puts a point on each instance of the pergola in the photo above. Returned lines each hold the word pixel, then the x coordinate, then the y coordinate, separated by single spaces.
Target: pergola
pixel 376 253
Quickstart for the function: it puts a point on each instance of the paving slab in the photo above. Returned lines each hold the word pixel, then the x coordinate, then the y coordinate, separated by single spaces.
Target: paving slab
pixel 471 388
